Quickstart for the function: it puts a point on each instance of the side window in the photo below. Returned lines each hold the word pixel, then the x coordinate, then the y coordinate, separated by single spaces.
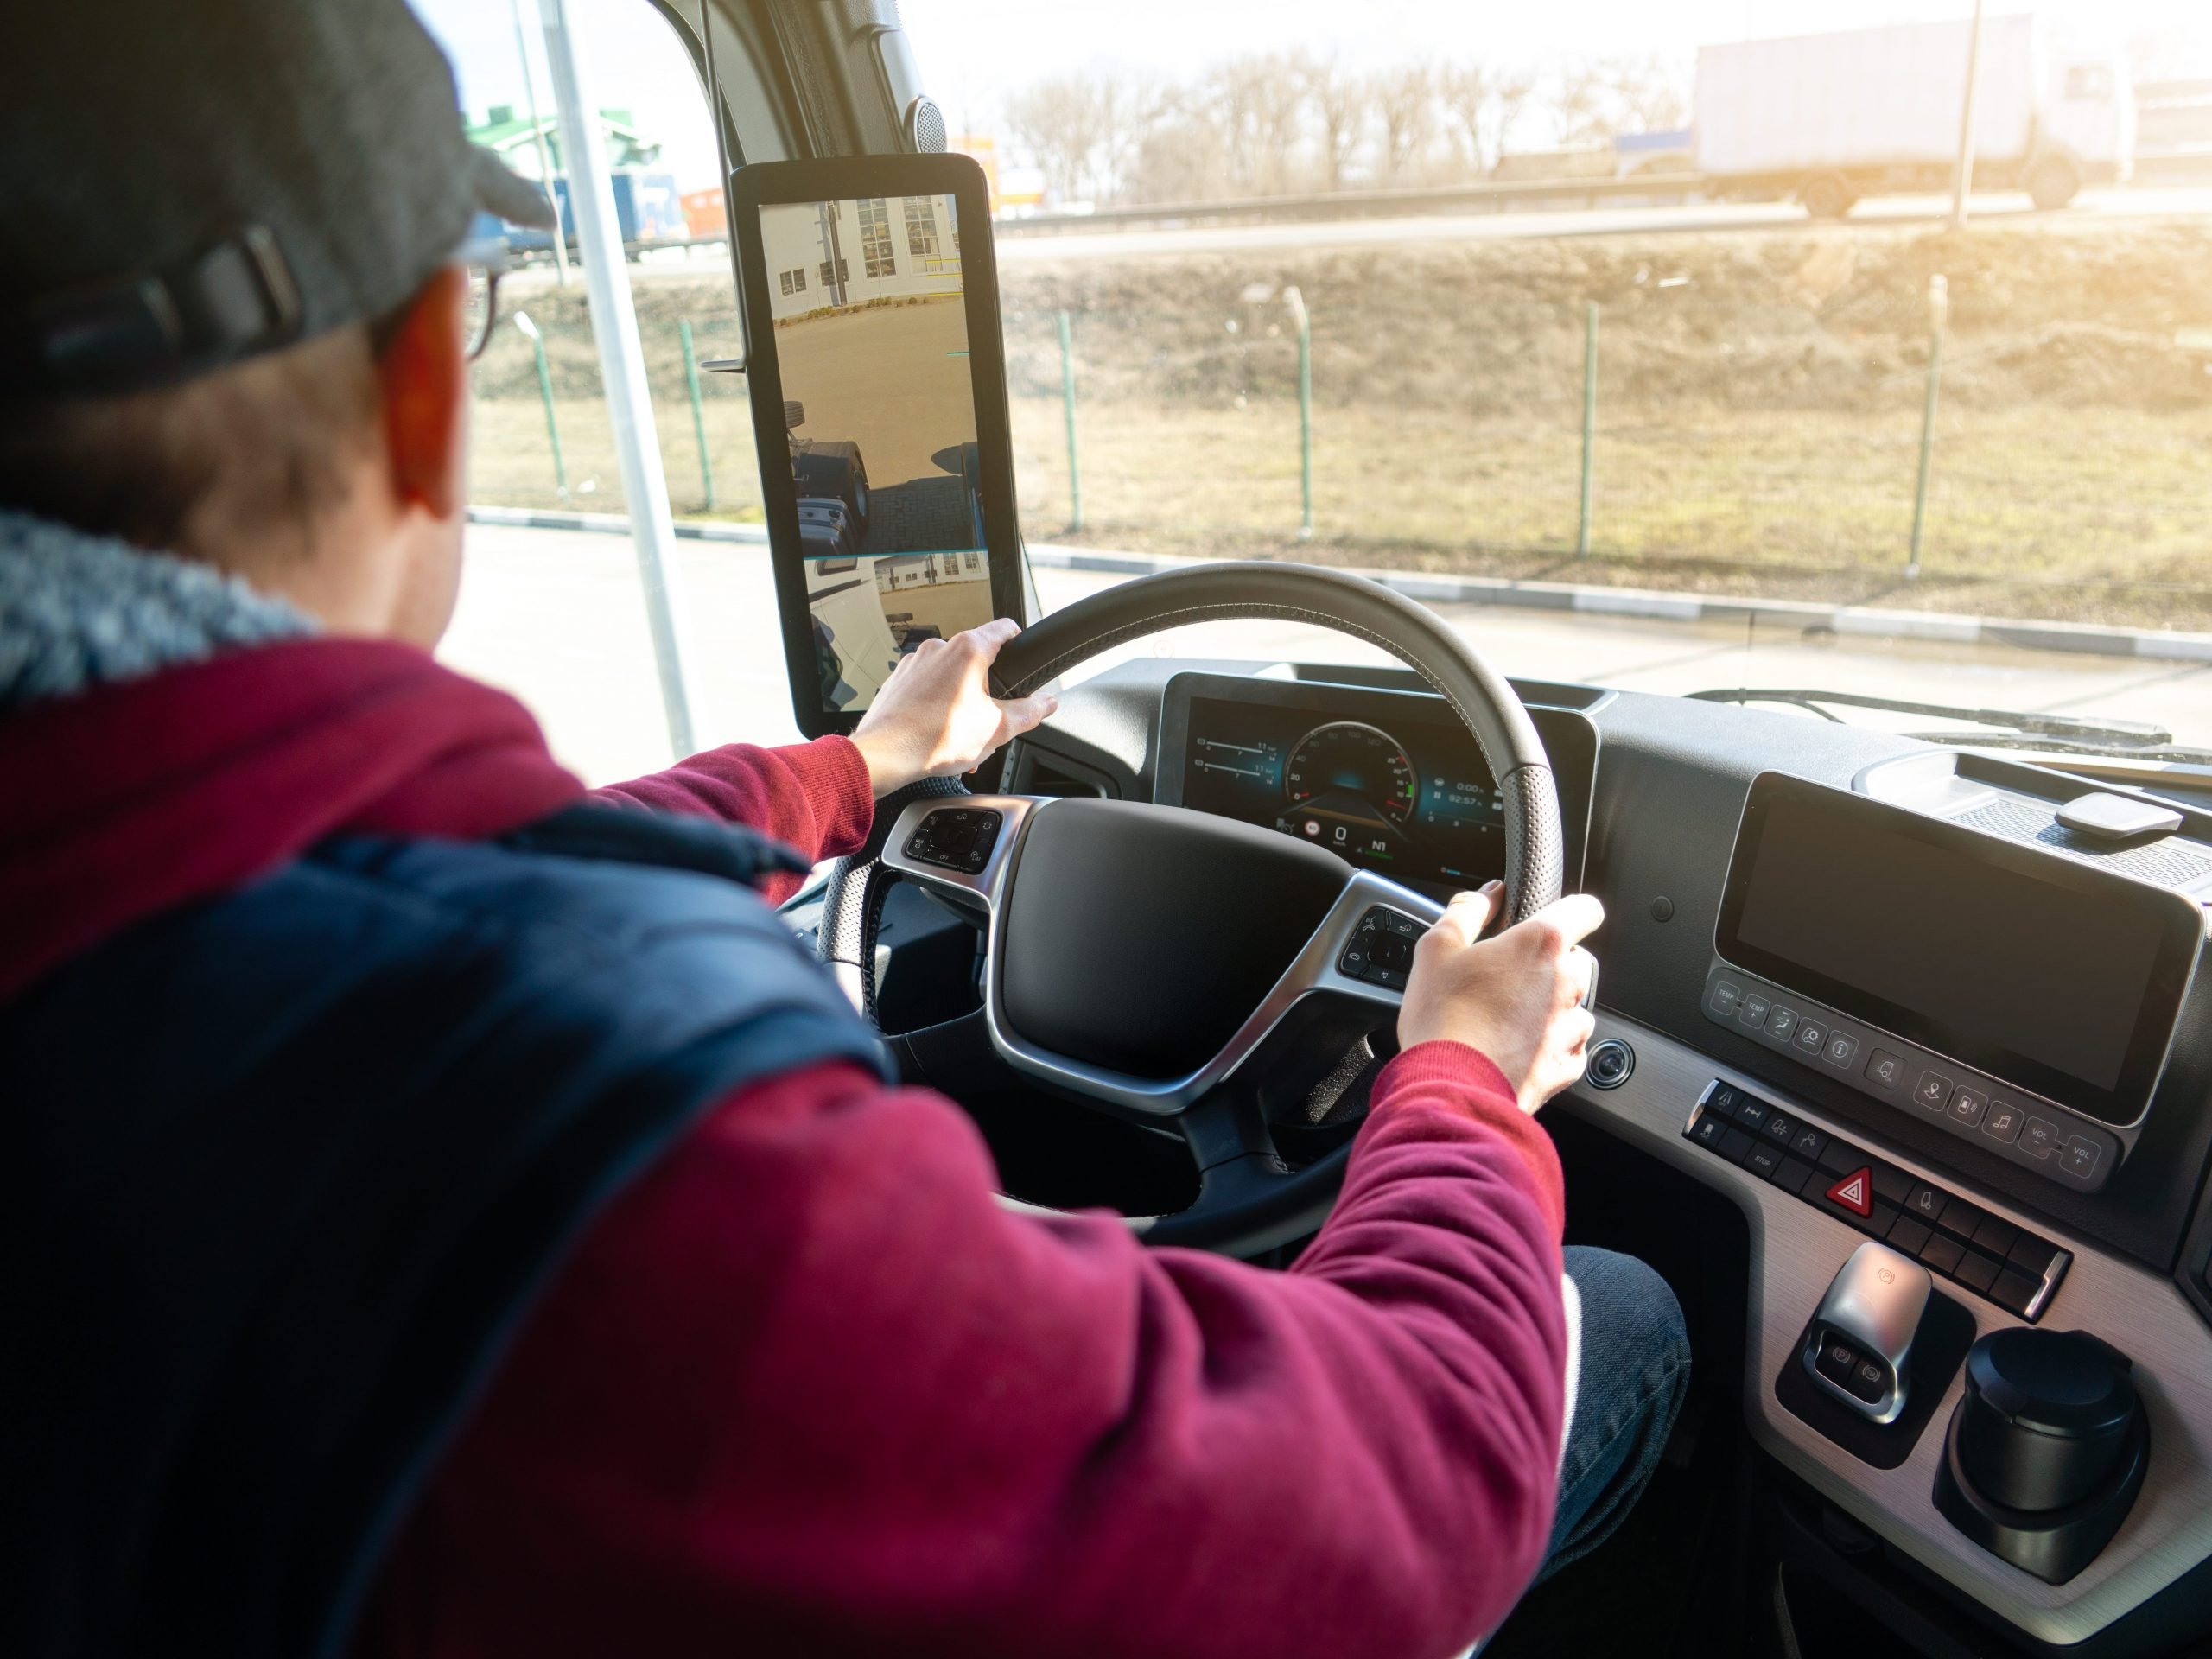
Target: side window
pixel 2089 82
pixel 875 237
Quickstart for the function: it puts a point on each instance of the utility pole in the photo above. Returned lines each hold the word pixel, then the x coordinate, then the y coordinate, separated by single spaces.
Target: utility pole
pixel 1962 179
pixel 621 359
pixel 544 156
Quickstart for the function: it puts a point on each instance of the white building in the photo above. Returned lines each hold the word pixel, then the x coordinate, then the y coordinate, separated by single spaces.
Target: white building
pixel 822 254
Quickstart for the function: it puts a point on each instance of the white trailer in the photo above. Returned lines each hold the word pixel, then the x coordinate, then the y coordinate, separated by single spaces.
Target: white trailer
pixel 1829 119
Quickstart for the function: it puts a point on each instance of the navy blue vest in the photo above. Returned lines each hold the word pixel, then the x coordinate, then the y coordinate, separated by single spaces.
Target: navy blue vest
pixel 285 1170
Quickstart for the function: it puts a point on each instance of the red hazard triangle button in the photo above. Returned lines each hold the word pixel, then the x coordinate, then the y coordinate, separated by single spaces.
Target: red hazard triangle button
pixel 1855 1193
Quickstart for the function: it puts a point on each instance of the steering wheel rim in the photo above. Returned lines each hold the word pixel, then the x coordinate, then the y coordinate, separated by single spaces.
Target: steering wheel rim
pixel 1249 1200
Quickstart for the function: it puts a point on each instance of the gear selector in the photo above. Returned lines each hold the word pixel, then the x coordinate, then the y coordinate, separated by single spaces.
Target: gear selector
pixel 1860 1341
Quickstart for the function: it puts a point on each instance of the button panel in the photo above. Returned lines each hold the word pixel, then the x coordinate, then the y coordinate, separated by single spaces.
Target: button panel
pixel 1382 949
pixel 2033 1134
pixel 955 838
pixel 1947 1234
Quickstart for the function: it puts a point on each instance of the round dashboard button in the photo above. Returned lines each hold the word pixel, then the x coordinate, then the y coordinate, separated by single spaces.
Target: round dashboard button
pixel 1610 1064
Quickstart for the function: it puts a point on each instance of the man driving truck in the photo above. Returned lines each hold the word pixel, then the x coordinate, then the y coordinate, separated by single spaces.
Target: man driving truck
pixel 452 1215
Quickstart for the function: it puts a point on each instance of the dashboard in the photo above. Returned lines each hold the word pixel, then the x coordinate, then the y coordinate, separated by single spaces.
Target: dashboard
pixel 1387 779
pixel 1806 921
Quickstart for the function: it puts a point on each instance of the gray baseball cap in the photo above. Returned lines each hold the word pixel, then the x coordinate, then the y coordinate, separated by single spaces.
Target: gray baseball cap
pixel 189 184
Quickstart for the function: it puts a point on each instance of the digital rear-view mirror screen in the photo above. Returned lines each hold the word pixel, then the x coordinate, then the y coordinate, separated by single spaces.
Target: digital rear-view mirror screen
pixel 871 338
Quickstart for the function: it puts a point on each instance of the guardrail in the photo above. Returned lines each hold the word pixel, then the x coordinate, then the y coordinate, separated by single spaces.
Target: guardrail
pixel 1366 203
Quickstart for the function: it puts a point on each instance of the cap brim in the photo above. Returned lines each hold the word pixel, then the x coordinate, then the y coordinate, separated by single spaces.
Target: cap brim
pixel 514 199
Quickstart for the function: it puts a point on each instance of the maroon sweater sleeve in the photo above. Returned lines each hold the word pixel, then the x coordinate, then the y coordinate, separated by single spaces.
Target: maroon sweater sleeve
pixel 808 1388
pixel 815 796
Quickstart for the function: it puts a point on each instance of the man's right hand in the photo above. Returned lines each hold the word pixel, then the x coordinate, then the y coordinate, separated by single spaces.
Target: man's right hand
pixel 1517 996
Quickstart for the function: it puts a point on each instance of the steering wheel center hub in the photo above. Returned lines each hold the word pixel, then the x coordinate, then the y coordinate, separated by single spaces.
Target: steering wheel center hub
pixel 1140 937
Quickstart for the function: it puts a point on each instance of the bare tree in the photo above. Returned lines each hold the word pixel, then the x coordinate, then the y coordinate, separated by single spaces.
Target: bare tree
pixel 1648 94
pixel 1511 91
pixel 1339 102
pixel 1581 103
pixel 1405 100
pixel 1465 95
pixel 1256 103
pixel 1083 132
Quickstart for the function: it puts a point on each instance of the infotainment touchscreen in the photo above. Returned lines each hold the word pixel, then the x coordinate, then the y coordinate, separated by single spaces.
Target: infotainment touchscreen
pixel 2060 977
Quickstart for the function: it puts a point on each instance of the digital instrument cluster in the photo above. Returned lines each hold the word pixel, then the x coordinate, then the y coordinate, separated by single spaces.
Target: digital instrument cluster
pixel 1387 779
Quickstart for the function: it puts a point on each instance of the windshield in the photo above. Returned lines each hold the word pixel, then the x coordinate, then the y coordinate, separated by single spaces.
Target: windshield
pixel 1652 339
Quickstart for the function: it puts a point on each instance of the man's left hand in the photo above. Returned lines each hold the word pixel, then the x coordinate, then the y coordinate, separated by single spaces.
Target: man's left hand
pixel 934 717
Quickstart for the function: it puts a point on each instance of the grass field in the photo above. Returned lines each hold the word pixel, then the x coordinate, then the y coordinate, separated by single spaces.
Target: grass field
pixel 1760 435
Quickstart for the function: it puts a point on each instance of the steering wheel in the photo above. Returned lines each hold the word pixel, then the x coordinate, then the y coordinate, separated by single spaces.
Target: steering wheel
pixel 1148 960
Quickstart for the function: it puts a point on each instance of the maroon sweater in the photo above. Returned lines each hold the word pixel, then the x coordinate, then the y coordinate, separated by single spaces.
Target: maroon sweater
pixel 805 1388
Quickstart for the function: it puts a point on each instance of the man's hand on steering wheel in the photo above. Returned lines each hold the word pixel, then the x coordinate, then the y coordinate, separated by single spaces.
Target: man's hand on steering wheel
pixel 934 717
pixel 1516 997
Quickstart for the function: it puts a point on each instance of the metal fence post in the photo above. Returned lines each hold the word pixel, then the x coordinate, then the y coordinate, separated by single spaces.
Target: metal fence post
pixel 1067 400
pixel 1589 421
pixel 698 414
pixel 528 327
pixel 1296 300
pixel 1939 311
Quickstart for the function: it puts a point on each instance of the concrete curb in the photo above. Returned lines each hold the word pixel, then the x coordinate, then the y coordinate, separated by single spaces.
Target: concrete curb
pixel 2083 638
pixel 615 523
pixel 1864 621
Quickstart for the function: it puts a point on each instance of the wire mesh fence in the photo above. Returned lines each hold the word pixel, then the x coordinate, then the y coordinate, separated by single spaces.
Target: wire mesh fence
pixel 1726 448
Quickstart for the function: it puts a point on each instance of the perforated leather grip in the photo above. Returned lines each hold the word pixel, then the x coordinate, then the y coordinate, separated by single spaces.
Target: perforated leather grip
pixel 1473 691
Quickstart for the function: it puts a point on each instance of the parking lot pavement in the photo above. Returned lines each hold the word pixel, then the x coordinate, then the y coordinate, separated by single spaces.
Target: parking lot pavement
pixel 556 617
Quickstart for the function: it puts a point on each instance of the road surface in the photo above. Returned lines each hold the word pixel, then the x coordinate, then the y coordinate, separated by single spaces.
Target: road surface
pixel 556 617
pixel 1016 248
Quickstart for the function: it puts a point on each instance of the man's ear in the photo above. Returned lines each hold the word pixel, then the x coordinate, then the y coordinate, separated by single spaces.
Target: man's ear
pixel 425 380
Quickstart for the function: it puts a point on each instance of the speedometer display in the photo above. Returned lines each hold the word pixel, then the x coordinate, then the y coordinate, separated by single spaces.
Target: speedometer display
pixel 1349 759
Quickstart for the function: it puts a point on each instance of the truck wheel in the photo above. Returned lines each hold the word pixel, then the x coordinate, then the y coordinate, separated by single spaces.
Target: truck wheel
pixel 2052 182
pixel 1825 195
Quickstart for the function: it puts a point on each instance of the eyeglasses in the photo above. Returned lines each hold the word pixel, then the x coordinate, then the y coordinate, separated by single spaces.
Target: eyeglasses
pixel 480 309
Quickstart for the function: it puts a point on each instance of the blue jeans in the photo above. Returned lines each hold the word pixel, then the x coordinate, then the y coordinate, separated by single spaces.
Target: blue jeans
pixel 1634 1370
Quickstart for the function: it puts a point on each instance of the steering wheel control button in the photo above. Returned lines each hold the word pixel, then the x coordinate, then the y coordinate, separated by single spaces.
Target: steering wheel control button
pixel 1885 1071
pixel 1985 1253
pixel 1610 1063
pixel 1382 949
pixel 955 838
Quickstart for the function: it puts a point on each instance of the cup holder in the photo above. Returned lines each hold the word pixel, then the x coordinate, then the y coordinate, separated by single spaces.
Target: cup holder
pixel 2046 1452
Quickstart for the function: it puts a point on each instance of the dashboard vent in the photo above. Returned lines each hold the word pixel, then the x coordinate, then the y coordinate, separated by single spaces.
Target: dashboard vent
pixel 2019 820
pixel 1040 771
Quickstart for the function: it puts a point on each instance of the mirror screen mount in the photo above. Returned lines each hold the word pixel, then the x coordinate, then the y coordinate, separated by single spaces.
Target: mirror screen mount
pixel 877 373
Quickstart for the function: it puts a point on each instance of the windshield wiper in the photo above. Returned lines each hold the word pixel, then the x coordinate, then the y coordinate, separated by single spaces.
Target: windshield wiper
pixel 2007 728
